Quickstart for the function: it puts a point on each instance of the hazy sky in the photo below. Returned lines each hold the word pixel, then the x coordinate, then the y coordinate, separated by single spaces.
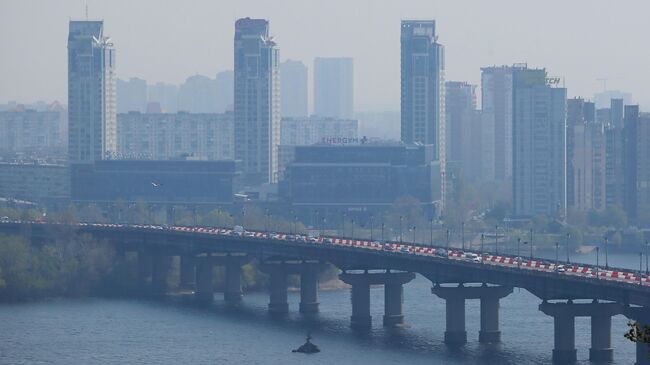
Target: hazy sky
pixel 582 40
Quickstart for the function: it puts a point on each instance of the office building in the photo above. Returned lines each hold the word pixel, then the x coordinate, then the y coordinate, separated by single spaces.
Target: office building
pixel 293 78
pixel 257 101
pixel 91 93
pixel 360 180
pixel 197 183
pixel 334 87
pixel 643 171
pixel 630 144
pixel 312 130
pixel 155 136
pixel 39 182
pixel 423 89
pixel 587 179
pixel 539 145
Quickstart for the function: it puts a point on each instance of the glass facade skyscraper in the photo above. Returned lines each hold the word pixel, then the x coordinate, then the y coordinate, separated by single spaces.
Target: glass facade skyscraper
pixel 91 93
pixel 257 101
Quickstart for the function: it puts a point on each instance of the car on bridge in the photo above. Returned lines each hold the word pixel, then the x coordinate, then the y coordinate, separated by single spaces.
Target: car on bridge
pixel 238 231
pixel 441 252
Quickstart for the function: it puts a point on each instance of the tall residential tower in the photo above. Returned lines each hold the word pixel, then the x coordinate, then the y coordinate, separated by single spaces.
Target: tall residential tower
pixel 92 104
pixel 333 87
pixel 257 101
pixel 423 89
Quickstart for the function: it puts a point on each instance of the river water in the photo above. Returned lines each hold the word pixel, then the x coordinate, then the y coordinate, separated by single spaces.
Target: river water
pixel 129 331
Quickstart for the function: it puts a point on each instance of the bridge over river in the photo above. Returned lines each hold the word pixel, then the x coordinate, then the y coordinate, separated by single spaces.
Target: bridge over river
pixel 565 290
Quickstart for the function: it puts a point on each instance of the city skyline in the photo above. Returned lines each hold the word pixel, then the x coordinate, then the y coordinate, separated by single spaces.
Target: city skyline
pixel 147 55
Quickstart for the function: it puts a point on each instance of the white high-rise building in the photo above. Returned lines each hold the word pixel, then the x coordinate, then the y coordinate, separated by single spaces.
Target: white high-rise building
pixel 333 87
pixel 257 101
pixel 91 93
pixel 539 145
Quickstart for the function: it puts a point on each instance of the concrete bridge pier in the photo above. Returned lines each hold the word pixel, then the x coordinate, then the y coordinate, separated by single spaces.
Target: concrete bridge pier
pixel 278 303
pixel 233 292
pixel 393 296
pixel 455 297
pixel 160 273
pixel 309 291
pixel 144 268
pixel 187 272
pixel 642 316
pixel 601 329
pixel 204 289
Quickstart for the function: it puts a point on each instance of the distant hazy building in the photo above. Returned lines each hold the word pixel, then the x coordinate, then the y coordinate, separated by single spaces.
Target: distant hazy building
pixel 225 94
pixel 37 182
pixel 579 112
pixel 461 128
pixel 423 89
pixel 198 94
pixel 377 124
pixel 614 171
pixel 32 133
pixel 131 95
pixel 588 167
pixel 643 172
pixel 334 87
pixel 630 160
pixel 257 101
pixel 616 113
pixel 293 81
pixel 164 94
pixel 167 136
pixel 539 158
pixel 603 98
pixel 91 93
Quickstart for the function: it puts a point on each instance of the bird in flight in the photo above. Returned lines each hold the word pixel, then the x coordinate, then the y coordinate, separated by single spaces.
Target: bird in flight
pixel 155 184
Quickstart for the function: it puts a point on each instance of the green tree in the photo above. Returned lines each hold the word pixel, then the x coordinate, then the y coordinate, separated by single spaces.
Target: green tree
pixel 638 333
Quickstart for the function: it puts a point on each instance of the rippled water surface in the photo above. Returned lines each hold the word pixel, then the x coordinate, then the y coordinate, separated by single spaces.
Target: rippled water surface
pixel 107 331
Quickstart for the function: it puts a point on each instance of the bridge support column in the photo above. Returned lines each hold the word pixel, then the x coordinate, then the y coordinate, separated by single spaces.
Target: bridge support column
pixel 642 316
pixel 601 328
pixel 455 297
pixel 144 267
pixel 233 292
pixel 309 291
pixel 278 303
pixel 204 290
pixel 161 266
pixel 393 296
pixel 187 272
pixel 601 339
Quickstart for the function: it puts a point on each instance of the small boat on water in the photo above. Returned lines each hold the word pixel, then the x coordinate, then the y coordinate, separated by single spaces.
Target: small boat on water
pixel 307 347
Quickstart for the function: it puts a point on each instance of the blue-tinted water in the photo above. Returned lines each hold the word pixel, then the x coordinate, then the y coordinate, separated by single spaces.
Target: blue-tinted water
pixel 105 331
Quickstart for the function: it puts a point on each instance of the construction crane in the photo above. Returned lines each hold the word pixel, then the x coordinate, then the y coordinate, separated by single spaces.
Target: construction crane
pixel 604 81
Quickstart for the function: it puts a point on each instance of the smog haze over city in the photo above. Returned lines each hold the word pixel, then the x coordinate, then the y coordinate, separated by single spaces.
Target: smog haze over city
pixel 304 182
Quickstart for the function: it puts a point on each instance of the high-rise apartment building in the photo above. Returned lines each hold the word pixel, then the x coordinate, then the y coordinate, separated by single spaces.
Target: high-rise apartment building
pixel 293 81
pixel 643 171
pixel 630 139
pixel 166 95
pixel 224 84
pixel 333 87
pixel 91 93
pixel 423 90
pixel 462 128
pixel 257 101
pixel 198 94
pixel 539 145
pixel 496 104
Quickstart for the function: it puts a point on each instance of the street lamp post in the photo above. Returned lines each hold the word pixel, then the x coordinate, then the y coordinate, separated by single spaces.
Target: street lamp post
pixel 462 234
pixel 447 240
pixel 382 231
pixel 557 254
pixel 597 261
pixel 431 233
pixel 531 244
pixel 371 216
pixel 496 239
pixel 606 259
pixel 400 228
pixel 266 224
pixel 518 257
pixel 640 268
pixel 646 257
pixel 352 228
pixel 567 247
pixel 413 235
pixel 482 241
